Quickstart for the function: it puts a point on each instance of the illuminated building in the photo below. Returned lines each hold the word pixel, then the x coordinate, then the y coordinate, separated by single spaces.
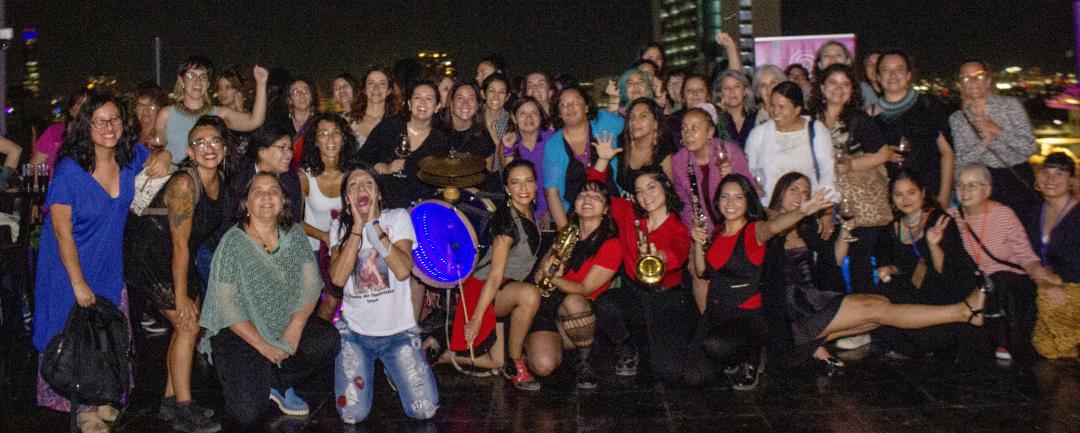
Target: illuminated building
pixel 101 82
pixel 32 81
pixel 687 28
pixel 436 64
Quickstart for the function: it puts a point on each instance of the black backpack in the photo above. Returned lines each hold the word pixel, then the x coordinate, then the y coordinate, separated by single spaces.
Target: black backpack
pixel 90 361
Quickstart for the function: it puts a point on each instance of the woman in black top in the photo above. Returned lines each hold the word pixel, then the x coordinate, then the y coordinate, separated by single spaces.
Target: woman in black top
pixel 159 256
pixel 836 100
pixel 465 131
pixel 645 142
pixel 270 150
pixel 397 173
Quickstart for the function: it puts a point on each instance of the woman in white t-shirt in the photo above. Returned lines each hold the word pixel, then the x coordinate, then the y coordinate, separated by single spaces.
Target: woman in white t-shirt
pixel 371 258
pixel 790 142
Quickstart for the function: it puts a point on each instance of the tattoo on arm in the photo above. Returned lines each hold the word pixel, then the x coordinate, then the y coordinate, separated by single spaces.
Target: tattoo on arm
pixel 180 198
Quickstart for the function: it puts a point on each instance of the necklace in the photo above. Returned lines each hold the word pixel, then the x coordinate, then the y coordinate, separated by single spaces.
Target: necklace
pixel 265 245
pixel 1044 230
pixel 198 112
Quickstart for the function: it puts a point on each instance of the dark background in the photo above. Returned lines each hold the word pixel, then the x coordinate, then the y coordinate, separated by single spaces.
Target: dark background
pixel 584 38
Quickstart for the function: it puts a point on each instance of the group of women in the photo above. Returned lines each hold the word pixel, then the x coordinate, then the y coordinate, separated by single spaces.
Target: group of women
pixel 714 214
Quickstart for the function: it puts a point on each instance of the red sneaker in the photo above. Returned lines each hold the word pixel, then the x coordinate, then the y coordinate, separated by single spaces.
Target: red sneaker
pixel 519 375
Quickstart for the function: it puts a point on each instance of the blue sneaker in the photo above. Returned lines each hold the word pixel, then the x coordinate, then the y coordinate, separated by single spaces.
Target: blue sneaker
pixel 290 403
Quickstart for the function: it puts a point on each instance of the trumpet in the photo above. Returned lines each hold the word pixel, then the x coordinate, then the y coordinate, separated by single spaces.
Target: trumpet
pixel 650 268
pixel 695 201
pixel 565 240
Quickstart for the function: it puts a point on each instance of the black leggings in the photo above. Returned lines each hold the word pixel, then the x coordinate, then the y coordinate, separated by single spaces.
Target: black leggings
pixel 723 343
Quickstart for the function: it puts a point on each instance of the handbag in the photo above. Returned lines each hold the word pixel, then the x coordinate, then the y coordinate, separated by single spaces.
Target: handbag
pixel 90 361
pixel 146 188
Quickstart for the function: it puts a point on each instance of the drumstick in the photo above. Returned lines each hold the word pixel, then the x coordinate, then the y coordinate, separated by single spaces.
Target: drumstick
pixel 461 292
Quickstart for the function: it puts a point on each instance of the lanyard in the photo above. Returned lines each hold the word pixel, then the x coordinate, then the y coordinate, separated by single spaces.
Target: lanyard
pixel 911 235
pixel 1044 234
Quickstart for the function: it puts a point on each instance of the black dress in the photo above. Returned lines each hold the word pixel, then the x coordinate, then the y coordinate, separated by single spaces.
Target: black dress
pixel 148 247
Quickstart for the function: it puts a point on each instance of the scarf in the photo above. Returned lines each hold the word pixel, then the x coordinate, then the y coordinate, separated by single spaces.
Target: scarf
pixel 890 111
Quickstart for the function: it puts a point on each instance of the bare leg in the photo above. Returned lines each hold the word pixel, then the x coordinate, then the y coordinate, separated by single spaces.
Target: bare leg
pixel 181 352
pixel 520 301
pixel 857 312
pixel 700 288
pixel 169 391
pixel 491 360
pixel 545 349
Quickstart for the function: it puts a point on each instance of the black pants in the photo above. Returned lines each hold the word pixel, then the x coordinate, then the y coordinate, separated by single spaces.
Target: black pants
pixel 665 316
pixel 1017 293
pixel 721 343
pixel 859 255
pixel 1016 193
pixel 246 376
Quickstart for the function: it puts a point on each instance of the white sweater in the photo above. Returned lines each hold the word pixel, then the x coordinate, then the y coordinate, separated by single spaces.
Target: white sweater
pixel 771 154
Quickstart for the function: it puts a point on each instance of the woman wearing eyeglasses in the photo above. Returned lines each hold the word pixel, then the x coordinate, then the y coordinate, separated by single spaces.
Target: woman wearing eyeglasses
pixel 80 256
pixel 269 150
pixel 192 100
pixel 322 167
pixel 184 214
pixel 994 131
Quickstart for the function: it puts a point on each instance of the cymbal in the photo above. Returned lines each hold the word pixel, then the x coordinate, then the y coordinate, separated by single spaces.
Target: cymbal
pixel 454 170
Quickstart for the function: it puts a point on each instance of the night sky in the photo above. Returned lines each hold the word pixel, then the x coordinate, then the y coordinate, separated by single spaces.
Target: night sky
pixel 586 39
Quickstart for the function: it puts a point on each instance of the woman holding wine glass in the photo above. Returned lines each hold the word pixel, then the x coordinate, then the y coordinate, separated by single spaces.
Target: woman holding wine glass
pixel 398 145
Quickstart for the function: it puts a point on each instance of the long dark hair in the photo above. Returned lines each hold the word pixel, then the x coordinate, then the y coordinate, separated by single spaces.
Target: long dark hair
pixel 662 137
pixel 77 143
pixel 588 247
pixel 754 210
pixel 407 113
pixel 311 159
pixel 519 162
pixel 817 104
pixel 284 218
pixel 776 202
pixel 671 199
pixel 929 203
pixel 393 101
pixel 346 218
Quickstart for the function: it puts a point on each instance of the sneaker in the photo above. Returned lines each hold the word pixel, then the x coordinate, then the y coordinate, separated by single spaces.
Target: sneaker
pixel 853 342
pixel 1002 354
pixel 518 372
pixel 152 325
pixel 746 378
pixel 289 403
pixel 191 419
pixel 167 409
pixel 584 375
pixel 627 363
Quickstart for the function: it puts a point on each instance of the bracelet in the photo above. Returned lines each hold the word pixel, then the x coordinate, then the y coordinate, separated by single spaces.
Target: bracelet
pixel 356 234
pixel 383 235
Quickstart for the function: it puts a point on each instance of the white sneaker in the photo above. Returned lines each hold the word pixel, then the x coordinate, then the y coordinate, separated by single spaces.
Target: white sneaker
pixel 853 342
pixel 1003 354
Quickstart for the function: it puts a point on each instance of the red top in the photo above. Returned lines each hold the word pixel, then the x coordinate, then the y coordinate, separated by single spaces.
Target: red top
pixel 720 251
pixel 606 257
pixel 671 237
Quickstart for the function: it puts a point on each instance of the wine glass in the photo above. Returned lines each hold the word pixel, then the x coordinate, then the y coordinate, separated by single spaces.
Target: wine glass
pixel 903 149
pixel 847 215
pixel 721 155
pixel 759 178
pixel 402 151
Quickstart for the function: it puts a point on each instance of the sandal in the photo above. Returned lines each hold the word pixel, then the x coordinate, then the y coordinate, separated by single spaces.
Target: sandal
pixel 91 422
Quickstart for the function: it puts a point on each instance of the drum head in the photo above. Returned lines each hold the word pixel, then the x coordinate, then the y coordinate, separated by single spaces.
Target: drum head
pixel 446 249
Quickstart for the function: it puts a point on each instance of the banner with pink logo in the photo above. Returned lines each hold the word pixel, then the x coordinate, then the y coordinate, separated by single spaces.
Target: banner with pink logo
pixel 786 50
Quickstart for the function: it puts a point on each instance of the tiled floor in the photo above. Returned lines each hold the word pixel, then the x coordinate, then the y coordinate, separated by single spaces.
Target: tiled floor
pixel 871 395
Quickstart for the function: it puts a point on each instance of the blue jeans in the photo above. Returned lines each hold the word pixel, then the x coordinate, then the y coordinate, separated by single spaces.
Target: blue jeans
pixel 404 363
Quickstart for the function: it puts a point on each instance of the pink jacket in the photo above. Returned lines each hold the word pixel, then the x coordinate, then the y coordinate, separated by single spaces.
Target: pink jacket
pixel 680 171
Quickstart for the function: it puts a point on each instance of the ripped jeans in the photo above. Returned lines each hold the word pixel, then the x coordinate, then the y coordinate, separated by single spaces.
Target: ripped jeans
pixel 405 366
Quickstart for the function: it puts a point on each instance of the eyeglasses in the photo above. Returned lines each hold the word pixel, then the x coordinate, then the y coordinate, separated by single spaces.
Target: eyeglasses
pixel 973 186
pixel 285 147
pixel 975 76
pixel 328 133
pixel 215 143
pixel 191 76
pixel 100 123
pixel 300 92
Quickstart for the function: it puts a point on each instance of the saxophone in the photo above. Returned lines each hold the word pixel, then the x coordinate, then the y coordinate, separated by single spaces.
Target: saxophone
pixel 695 201
pixel 561 248
pixel 650 269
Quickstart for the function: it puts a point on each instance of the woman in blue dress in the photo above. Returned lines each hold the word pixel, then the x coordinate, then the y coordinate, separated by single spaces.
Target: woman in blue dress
pixel 80 254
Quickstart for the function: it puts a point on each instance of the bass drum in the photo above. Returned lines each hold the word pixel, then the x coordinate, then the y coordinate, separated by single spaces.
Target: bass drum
pixel 446 236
